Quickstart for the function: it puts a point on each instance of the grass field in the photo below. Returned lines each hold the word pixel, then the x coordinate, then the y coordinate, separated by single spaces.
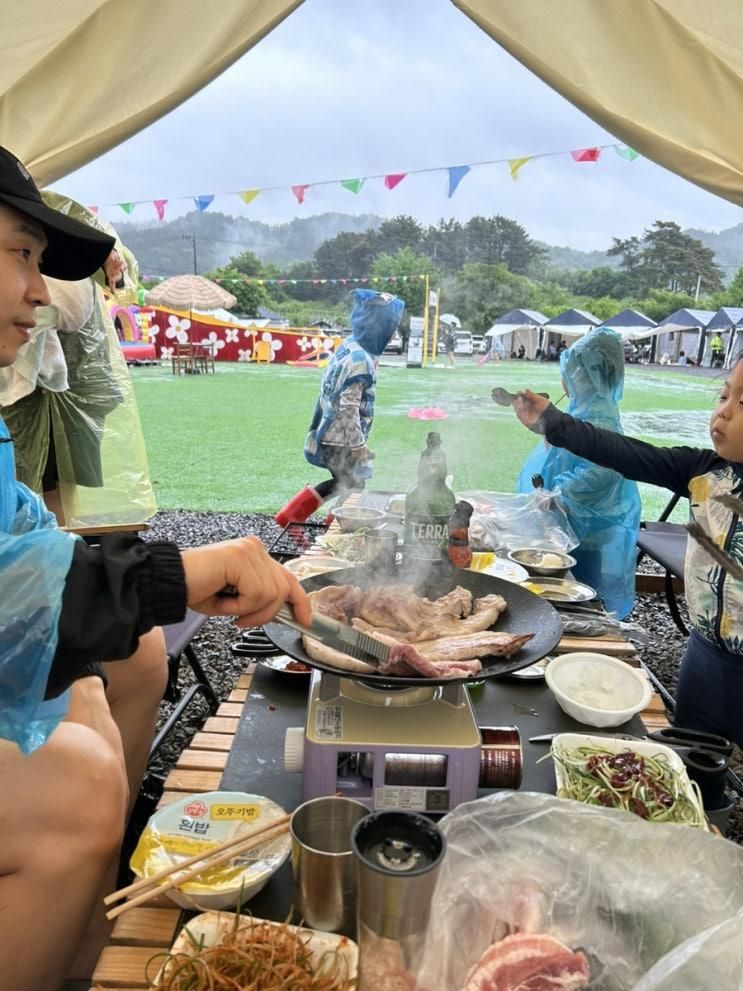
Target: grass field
pixel 233 441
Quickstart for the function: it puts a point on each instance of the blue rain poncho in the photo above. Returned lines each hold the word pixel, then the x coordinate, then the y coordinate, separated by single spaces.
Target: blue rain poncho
pixel 603 508
pixel 34 560
pixel 374 319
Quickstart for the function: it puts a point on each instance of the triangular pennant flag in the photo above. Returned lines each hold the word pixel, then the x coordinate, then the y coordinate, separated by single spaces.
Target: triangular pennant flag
pixel 299 191
pixel 354 185
pixel 514 164
pixel 159 206
pixel 249 194
pixel 586 154
pixel 456 174
pixel 629 153
pixel 395 179
pixel 93 209
pixel 127 207
pixel 202 202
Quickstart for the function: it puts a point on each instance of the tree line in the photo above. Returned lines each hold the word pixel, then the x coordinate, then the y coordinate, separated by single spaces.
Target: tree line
pixel 485 267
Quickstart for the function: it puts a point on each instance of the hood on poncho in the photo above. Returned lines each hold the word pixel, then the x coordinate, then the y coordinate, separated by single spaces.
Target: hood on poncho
pixel 374 319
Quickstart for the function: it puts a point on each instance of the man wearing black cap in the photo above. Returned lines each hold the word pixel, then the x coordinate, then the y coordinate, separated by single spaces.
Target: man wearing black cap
pixel 63 607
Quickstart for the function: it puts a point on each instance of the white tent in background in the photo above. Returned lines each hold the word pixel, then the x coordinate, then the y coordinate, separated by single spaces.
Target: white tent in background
pixel 683 330
pixel 569 323
pixel 519 328
pixel 727 320
pixel 632 325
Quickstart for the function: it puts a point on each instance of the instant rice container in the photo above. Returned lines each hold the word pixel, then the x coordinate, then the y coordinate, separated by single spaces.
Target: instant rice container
pixel 196 823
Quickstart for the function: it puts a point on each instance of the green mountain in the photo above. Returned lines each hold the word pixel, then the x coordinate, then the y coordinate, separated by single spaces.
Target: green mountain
pixel 167 248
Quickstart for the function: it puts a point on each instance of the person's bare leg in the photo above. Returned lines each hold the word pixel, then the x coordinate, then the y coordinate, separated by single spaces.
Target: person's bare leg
pixel 60 833
pixel 135 690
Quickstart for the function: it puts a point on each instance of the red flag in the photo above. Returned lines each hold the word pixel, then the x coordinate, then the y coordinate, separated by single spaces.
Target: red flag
pixel 586 154
pixel 395 179
pixel 159 206
pixel 93 209
pixel 299 191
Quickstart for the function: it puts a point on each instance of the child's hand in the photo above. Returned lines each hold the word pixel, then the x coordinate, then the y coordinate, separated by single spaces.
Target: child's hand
pixel 529 406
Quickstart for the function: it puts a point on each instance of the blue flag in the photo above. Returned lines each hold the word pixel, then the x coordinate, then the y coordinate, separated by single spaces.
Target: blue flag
pixel 202 202
pixel 456 174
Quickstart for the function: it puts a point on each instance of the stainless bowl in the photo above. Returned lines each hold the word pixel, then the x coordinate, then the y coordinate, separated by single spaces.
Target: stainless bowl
pixel 358 518
pixel 543 561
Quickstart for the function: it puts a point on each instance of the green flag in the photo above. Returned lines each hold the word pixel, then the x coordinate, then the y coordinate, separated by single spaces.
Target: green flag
pixel 355 185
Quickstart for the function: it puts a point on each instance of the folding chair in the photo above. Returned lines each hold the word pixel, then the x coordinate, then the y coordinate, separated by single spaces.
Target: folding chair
pixel 665 543
pixel 178 644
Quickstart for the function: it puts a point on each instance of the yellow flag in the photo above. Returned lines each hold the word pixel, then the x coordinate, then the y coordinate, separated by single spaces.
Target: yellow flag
pixel 514 164
pixel 249 194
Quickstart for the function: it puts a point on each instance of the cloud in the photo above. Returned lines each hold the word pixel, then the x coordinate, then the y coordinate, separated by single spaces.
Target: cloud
pixel 341 90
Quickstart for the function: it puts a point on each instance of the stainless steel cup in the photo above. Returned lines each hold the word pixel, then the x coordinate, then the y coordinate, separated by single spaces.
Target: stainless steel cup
pixel 380 547
pixel 323 863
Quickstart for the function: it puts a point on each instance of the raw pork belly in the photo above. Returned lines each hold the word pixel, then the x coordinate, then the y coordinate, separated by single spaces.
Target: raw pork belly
pixel 526 962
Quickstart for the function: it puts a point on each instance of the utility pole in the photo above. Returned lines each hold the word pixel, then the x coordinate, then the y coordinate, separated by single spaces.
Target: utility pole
pixel 192 239
pixel 699 286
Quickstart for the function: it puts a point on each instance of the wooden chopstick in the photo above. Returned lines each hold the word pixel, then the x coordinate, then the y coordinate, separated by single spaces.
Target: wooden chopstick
pixel 231 845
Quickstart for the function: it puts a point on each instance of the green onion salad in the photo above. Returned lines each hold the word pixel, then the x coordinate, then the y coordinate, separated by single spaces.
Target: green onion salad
pixel 647 786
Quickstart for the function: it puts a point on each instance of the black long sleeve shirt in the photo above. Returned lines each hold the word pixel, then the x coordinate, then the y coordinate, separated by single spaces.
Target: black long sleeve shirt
pixel 114 592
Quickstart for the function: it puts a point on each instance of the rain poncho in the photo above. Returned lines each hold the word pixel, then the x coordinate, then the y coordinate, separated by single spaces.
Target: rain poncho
pixel 374 319
pixel 603 508
pixel 34 560
pixel 91 411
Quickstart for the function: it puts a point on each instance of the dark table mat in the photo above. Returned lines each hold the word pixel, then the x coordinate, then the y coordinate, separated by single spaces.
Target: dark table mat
pixel 277 701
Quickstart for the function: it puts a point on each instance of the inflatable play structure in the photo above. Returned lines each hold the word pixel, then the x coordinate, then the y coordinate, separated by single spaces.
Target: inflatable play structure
pixel 133 327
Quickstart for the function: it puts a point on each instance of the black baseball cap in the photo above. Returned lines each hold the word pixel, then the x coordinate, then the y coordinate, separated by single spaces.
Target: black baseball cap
pixel 74 250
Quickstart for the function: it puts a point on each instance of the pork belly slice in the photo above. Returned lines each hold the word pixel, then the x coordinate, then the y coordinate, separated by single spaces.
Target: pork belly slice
pixel 526 962
pixel 451 657
pixel 335 658
pixel 339 602
pixel 397 607
pixel 485 613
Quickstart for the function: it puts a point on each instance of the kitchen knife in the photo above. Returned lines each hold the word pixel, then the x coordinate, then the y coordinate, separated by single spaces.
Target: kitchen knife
pixel 339 636
pixel 549 737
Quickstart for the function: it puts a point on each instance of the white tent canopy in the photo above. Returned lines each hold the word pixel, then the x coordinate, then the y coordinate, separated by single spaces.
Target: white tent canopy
pixel 80 76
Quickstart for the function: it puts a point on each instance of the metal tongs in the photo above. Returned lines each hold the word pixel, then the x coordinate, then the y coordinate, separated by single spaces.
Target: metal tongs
pixel 340 636
pixel 697 532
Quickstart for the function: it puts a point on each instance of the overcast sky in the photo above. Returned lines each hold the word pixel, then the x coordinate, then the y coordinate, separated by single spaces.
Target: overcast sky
pixel 350 88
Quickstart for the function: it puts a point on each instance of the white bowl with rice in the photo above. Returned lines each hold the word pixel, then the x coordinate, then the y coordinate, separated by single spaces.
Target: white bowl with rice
pixel 596 689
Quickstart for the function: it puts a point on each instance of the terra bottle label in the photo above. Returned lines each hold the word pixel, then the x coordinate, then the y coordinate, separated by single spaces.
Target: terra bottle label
pixel 426 537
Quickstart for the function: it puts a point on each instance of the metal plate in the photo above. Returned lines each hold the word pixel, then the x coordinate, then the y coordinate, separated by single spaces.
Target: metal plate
pixel 526 613
pixel 562 589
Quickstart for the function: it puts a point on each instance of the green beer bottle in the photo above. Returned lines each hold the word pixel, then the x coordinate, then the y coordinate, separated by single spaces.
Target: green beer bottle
pixel 428 508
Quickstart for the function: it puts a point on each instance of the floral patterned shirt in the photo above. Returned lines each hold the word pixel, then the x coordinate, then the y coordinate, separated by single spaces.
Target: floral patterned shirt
pixel 714 598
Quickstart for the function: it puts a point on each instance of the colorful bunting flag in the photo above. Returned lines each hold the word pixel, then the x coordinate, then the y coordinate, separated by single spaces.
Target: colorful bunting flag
pixel 586 154
pixel 514 164
pixel 202 202
pixel 395 179
pixel 159 206
pixel 354 185
pixel 456 174
pixel 93 209
pixel 127 207
pixel 299 191
pixel 249 195
pixel 628 153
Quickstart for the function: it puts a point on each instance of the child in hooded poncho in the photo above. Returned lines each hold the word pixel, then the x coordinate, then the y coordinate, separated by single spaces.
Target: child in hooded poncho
pixel 344 412
pixel 603 508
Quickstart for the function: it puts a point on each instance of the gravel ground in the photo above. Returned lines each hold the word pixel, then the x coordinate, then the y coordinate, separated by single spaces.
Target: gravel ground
pixel 661 653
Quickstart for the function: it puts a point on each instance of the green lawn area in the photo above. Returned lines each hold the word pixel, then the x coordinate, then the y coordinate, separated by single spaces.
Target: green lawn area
pixel 233 441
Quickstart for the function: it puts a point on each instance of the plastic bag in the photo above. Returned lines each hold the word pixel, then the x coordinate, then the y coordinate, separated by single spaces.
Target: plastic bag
pixel 34 560
pixel 654 907
pixel 503 520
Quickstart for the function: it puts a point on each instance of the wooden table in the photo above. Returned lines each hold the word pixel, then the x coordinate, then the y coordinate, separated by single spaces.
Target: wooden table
pixel 142 933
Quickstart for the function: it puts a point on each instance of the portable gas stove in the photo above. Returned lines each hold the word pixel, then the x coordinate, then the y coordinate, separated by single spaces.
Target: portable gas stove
pixel 416 748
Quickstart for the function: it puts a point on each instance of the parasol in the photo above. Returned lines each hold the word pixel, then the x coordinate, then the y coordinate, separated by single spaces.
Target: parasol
pixel 190 292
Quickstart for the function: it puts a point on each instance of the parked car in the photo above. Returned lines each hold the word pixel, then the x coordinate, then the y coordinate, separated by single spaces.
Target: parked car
pixel 479 345
pixel 464 343
pixel 395 344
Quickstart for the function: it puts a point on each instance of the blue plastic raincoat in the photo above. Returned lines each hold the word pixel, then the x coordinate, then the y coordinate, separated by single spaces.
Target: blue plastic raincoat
pixel 34 560
pixel 602 506
pixel 374 319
